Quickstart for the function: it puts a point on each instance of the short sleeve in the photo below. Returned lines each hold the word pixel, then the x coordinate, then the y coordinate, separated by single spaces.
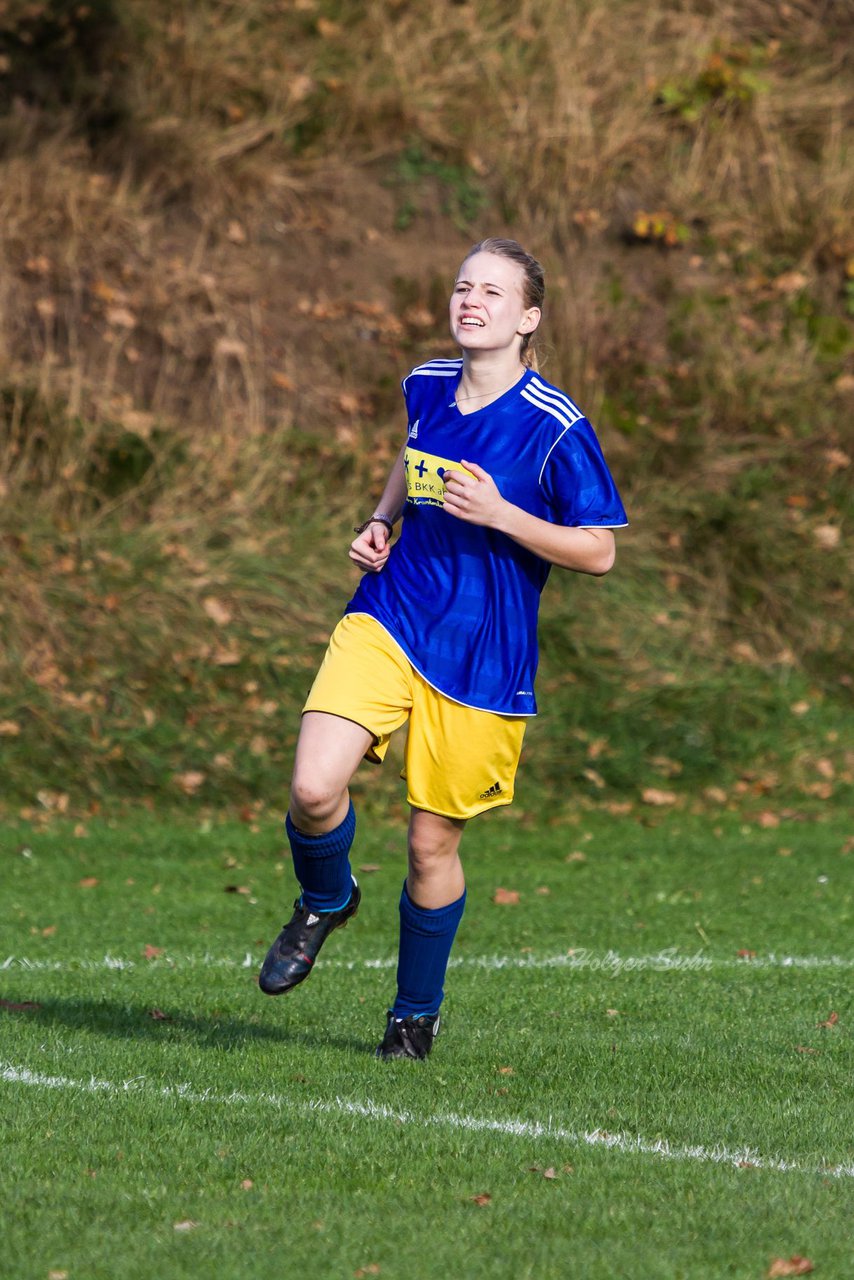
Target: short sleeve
pixel 577 484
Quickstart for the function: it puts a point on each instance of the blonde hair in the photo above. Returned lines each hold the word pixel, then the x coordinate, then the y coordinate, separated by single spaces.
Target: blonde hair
pixel 533 289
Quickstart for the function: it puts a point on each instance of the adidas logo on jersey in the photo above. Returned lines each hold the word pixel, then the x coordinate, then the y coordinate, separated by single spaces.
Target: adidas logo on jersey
pixel 491 792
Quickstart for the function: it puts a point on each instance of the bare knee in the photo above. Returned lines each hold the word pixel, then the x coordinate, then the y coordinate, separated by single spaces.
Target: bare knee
pixel 432 847
pixel 316 804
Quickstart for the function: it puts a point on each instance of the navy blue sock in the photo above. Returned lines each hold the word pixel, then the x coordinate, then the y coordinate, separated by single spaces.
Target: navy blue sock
pixel 322 864
pixel 426 938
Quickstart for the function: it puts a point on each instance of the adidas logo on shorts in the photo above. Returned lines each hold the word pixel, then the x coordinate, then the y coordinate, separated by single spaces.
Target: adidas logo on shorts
pixel 491 792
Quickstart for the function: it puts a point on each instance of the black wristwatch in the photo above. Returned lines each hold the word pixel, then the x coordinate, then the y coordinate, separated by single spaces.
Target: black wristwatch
pixel 378 519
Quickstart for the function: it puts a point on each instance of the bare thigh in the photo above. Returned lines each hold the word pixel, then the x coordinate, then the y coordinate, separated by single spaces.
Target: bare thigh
pixel 329 751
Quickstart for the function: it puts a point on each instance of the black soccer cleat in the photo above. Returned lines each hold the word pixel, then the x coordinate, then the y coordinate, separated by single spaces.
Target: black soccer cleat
pixel 408 1037
pixel 291 957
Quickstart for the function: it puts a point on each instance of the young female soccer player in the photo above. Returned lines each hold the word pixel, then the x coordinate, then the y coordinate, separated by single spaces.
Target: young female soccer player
pixel 500 477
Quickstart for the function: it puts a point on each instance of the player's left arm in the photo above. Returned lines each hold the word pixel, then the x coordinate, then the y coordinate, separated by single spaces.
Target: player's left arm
pixel 475 499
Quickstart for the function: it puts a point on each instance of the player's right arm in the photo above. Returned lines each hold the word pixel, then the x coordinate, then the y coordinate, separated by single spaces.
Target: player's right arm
pixel 370 550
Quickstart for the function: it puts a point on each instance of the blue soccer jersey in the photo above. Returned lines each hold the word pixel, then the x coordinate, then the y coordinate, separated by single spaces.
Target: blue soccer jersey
pixel 462 600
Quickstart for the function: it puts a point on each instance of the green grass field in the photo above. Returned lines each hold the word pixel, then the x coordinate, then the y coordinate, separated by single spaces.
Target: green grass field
pixel 633 1078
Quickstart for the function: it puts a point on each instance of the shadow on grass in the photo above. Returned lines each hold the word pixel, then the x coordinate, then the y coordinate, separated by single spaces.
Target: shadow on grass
pixel 138 1022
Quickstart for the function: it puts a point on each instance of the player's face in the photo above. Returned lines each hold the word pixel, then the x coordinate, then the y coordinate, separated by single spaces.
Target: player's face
pixel 487 310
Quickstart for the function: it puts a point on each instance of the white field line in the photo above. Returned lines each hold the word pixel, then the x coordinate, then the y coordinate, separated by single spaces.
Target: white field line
pixel 622 1142
pixel 668 960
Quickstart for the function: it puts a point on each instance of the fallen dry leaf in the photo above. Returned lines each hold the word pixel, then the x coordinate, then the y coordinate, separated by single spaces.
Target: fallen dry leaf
pixel 506 897
pixel 88 882
pixel 224 657
pixel 830 1021
pixel 186 1225
pixel 25 1006
pixel 791 282
pixel 483 1198
pixel 56 801
pixel 9 728
pixel 506 1071
pixel 190 781
pixel 57 1275
pixel 247 1184
pixel 151 953
pixel 657 797
pixel 550 1174
pixel 217 611
pixel 121 318
pixel 803 1048
pixel 49 930
pixel 827 536
pixel 369 867
pixel 836 460
pixel 158 1015
pixel 348 403
pixel 237 888
pixel 576 856
pixel 372 1269
pixel 794 1266
pixel 38 265
pixel 746 954
pixel 823 790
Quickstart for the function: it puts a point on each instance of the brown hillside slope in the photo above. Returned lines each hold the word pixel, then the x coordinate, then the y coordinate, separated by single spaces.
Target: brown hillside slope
pixel 226 232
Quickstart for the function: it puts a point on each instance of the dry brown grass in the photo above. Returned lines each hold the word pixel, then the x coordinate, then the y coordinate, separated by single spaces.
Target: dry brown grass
pixel 554 107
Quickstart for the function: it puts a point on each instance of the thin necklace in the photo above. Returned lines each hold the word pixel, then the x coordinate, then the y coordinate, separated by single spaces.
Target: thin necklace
pixel 480 394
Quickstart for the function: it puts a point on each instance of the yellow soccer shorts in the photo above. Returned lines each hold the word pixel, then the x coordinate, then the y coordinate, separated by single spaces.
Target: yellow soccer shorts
pixel 458 761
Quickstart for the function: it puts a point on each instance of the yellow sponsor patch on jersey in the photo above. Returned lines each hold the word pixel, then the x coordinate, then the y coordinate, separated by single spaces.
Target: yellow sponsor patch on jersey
pixel 425 474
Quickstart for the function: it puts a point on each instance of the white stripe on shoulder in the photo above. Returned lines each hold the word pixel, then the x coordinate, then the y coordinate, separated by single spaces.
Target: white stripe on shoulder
pixel 562 415
pixel 435 369
pixel 550 393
